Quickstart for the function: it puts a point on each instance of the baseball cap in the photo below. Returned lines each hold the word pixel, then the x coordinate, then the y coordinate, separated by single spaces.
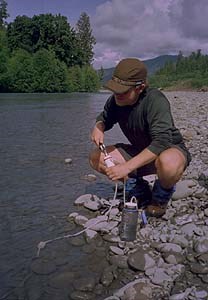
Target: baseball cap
pixel 129 72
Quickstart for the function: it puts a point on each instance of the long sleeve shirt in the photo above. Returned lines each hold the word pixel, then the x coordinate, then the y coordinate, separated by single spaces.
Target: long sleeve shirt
pixel 147 124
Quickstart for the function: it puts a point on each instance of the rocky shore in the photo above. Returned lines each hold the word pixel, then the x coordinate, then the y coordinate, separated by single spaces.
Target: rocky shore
pixel 169 258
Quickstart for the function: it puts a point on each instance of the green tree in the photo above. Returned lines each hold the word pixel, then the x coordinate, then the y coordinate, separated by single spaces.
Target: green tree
pixel 4 56
pixel 19 76
pixel 3 13
pixel 50 75
pixel 44 31
pixel 85 38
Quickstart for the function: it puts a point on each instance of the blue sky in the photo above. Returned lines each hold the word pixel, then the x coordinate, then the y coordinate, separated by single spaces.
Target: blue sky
pixel 131 28
pixel 70 8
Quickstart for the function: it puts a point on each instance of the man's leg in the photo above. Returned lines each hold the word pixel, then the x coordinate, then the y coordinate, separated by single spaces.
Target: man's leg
pixel 170 166
pixel 135 185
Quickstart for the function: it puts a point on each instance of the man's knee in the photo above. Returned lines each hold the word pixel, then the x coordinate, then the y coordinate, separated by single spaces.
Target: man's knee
pixel 171 161
pixel 94 158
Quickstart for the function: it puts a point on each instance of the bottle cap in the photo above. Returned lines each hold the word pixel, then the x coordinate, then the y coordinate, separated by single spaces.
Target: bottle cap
pixel 132 203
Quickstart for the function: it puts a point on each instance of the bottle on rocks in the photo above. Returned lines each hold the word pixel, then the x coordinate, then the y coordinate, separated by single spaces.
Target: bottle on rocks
pixel 129 220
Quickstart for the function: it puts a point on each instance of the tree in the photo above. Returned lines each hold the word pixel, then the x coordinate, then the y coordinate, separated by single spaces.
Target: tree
pixel 3 13
pixel 85 38
pixel 44 31
pixel 101 73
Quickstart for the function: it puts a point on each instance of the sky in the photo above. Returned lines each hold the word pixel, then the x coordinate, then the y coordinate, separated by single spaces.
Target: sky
pixel 131 28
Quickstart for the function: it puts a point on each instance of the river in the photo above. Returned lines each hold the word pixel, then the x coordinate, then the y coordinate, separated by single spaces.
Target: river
pixel 37 188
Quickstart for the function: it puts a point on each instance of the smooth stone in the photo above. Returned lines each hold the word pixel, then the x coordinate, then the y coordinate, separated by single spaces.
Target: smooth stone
pixel 119 261
pixel 160 276
pixel 116 250
pixel 68 160
pixel 189 229
pixel 180 240
pixel 80 220
pixel 92 205
pixel 85 284
pixel 174 259
pixel 111 238
pixel 140 260
pixel 62 281
pixel 92 222
pixel 138 291
pixel 201 245
pixel 184 189
pixel 43 267
pixel 82 199
pixel 203 258
pixel 201 294
pixel 77 295
pixel 198 269
pixel 90 177
pixel 77 240
pixel 90 235
pixel 107 276
pixel 169 247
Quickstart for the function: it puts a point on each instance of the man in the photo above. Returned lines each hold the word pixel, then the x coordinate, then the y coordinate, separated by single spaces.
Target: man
pixel 156 145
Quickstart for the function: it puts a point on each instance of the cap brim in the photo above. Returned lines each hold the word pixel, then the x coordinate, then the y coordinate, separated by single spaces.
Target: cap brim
pixel 115 87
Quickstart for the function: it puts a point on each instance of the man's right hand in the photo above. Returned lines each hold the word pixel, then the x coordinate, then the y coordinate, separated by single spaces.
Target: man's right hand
pixel 97 135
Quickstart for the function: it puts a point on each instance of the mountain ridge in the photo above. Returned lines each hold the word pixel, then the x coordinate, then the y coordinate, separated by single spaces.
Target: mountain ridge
pixel 153 65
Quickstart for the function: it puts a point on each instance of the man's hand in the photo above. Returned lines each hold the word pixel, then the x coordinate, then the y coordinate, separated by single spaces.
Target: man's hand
pixel 97 135
pixel 117 172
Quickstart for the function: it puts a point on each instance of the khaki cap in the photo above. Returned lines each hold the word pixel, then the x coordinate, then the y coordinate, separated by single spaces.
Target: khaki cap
pixel 129 72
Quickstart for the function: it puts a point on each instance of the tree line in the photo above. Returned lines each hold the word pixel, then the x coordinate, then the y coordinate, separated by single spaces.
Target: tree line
pixel 45 53
pixel 187 72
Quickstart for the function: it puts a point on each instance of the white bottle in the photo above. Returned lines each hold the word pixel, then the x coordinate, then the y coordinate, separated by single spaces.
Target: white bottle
pixel 108 161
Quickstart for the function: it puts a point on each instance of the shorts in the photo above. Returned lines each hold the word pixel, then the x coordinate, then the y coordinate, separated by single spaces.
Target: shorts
pixel 128 151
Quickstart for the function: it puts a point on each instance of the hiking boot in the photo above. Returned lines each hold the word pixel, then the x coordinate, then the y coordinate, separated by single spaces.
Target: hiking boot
pixel 142 192
pixel 156 210
pixel 160 199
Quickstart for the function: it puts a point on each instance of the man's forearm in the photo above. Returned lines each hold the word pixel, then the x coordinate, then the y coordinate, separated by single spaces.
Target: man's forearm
pixel 100 125
pixel 141 159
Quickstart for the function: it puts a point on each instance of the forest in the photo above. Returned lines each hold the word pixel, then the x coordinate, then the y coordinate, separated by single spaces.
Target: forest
pixel 188 72
pixel 46 54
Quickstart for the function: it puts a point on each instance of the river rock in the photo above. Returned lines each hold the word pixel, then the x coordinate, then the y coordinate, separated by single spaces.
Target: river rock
pixel 201 245
pixel 140 260
pixel 184 189
pixel 43 266
pixel 107 276
pixel 68 160
pixel 80 220
pixel 169 247
pixel 77 295
pixel 82 199
pixel 116 250
pixel 62 281
pixel 86 284
pixel 119 261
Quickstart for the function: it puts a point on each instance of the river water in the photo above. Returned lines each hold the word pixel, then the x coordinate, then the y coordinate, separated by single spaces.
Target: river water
pixel 37 188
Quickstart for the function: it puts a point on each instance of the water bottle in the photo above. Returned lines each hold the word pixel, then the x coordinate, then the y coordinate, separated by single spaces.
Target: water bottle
pixel 129 219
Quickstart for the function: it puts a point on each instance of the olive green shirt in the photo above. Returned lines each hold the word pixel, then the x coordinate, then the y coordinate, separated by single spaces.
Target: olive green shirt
pixel 147 124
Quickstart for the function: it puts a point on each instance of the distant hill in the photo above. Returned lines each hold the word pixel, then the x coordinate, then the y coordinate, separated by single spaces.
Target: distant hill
pixel 153 65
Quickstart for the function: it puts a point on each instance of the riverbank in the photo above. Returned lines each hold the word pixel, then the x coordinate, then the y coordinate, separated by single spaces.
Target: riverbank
pixel 169 257
pixel 168 260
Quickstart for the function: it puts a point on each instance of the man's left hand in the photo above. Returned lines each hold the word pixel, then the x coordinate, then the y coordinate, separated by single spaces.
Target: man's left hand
pixel 117 172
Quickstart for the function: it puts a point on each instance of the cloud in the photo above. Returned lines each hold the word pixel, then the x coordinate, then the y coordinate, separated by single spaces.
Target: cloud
pixel 148 28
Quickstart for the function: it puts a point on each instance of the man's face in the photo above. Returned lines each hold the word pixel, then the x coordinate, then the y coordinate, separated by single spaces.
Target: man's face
pixel 128 98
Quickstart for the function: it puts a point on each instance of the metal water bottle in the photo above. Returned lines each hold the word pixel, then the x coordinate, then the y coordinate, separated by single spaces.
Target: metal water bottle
pixel 129 219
